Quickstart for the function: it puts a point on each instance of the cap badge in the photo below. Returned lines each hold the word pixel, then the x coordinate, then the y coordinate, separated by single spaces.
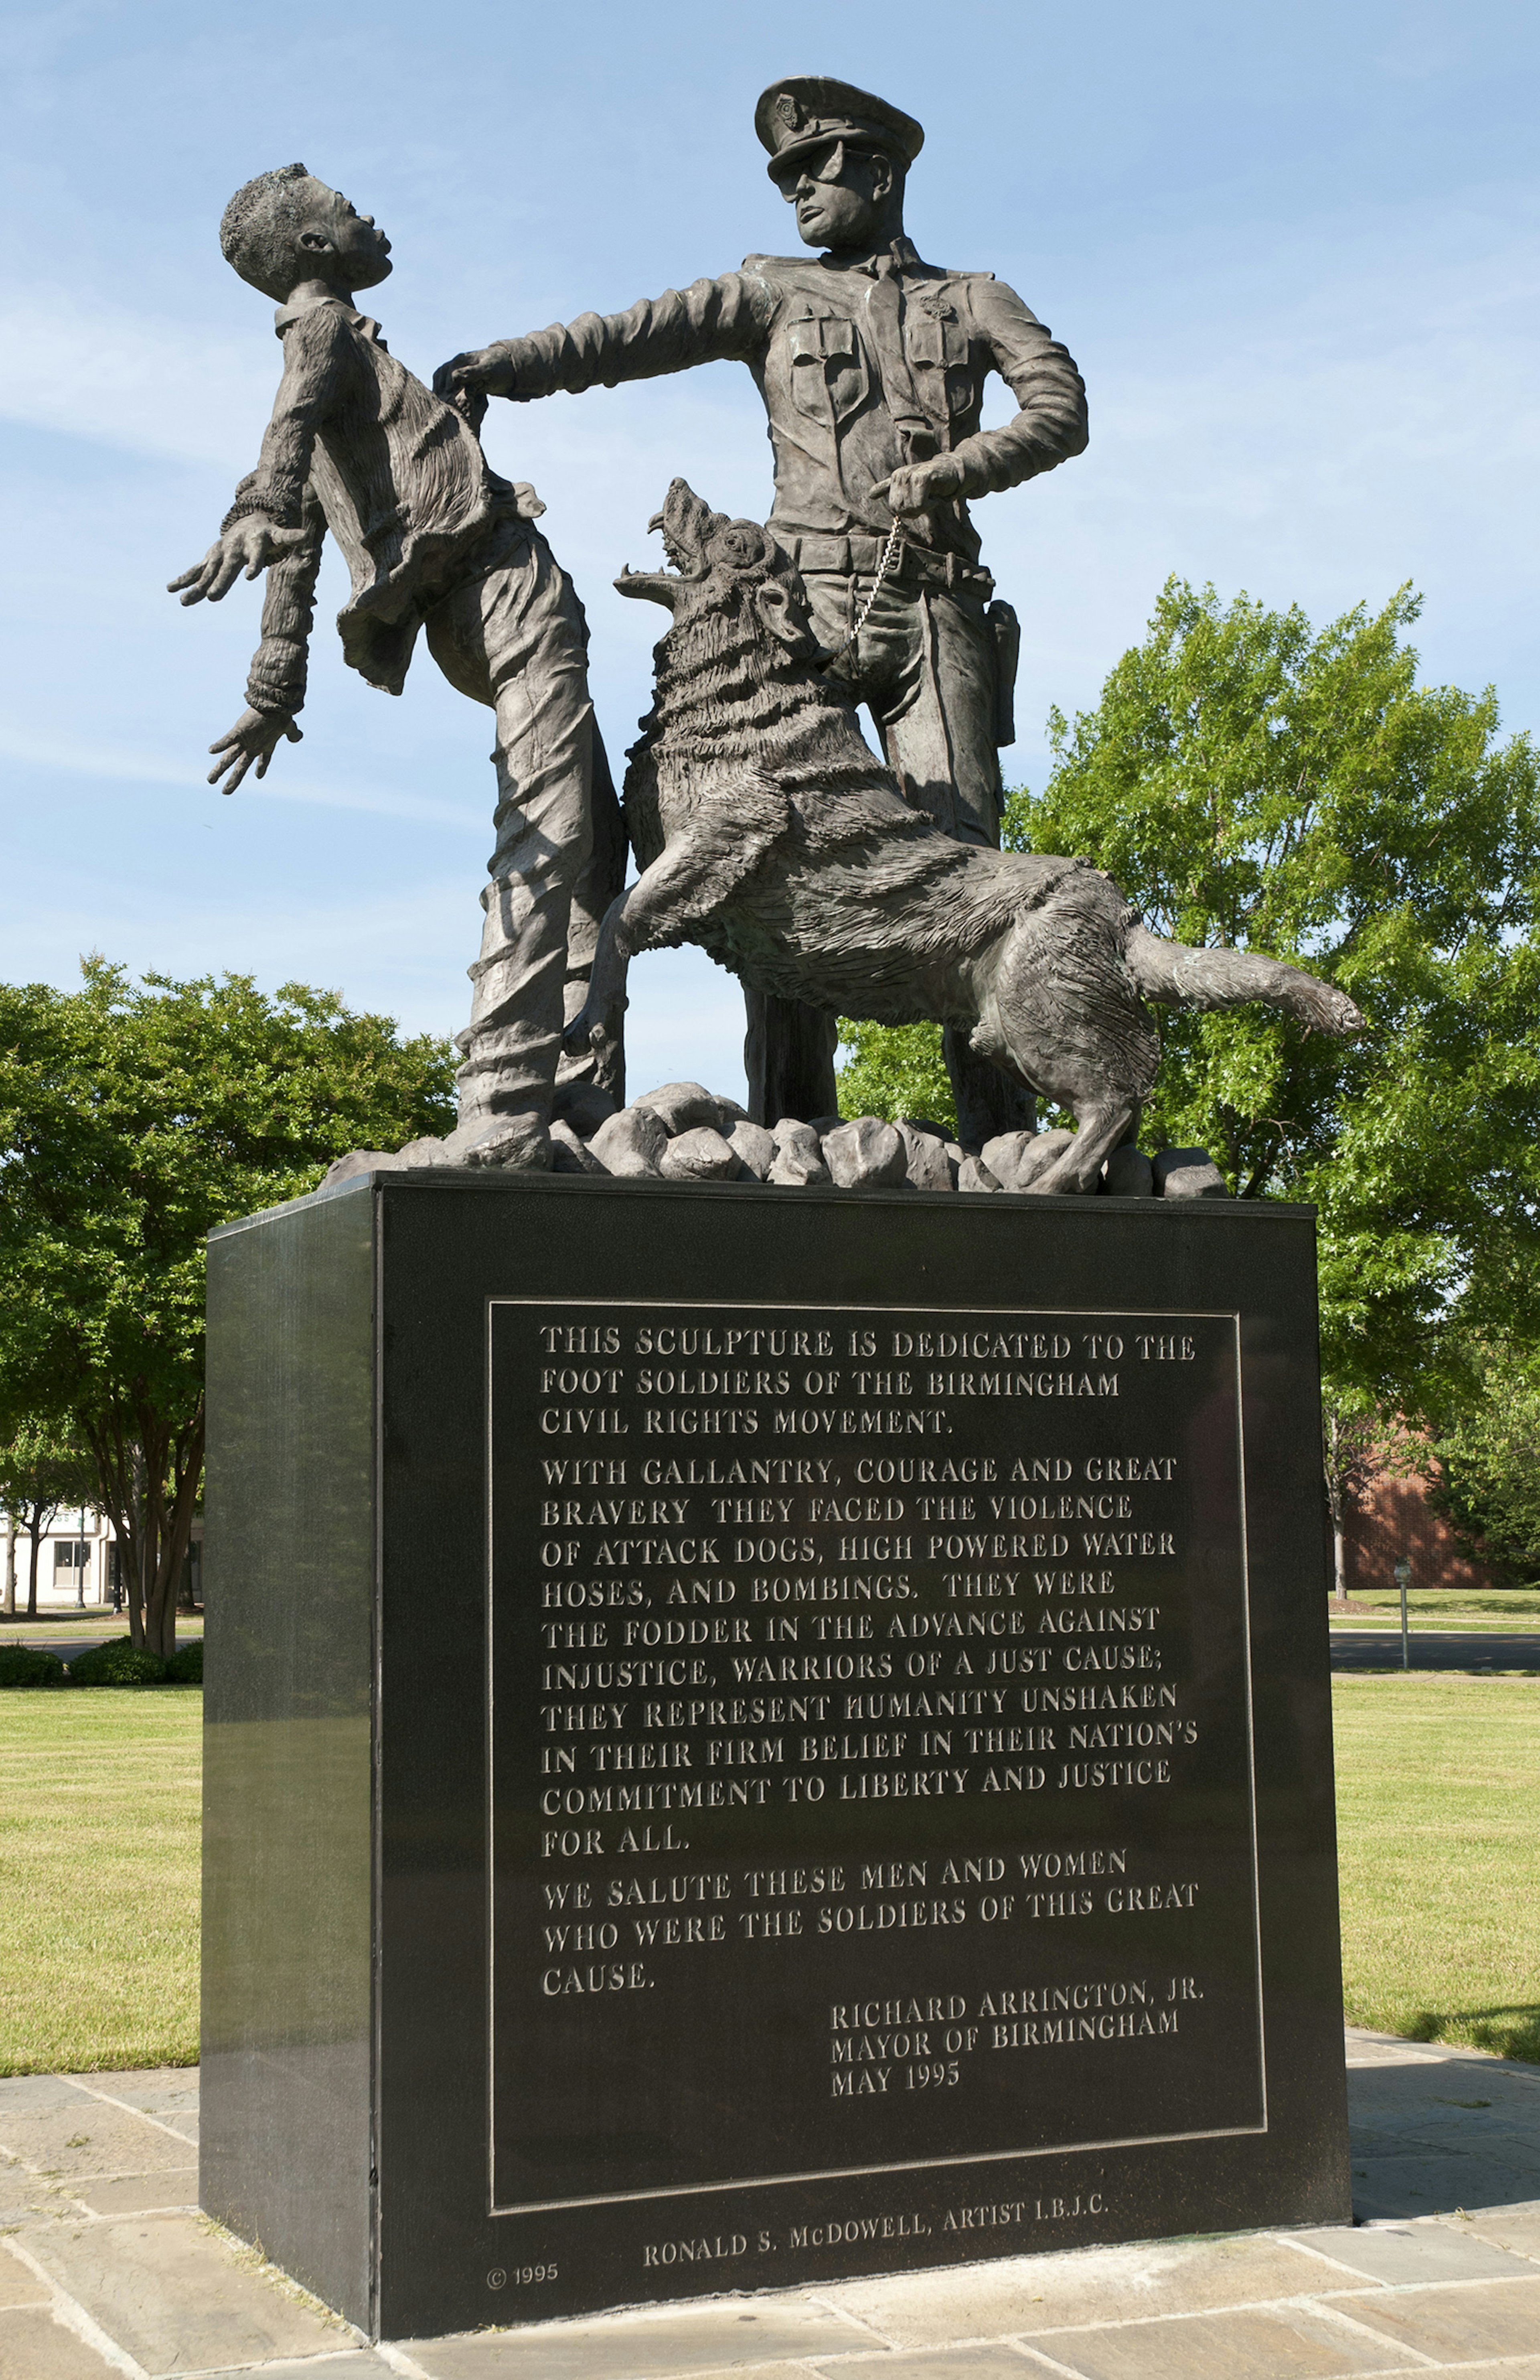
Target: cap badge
pixel 787 110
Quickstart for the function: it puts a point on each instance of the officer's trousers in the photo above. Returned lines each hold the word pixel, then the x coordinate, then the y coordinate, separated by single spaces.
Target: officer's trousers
pixel 925 665
pixel 512 636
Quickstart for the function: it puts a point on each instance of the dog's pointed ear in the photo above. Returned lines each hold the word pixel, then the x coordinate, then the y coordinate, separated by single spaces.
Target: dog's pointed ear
pixel 783 609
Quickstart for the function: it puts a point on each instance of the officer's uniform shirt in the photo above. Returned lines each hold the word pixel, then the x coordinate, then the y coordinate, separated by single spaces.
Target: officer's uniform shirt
pixel 862 368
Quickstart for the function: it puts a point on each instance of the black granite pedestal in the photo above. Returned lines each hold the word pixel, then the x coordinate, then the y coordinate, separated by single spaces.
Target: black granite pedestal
pixel 757 1735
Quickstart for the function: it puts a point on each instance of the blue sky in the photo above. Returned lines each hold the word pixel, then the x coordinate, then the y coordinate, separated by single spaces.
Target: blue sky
pixel 1293 251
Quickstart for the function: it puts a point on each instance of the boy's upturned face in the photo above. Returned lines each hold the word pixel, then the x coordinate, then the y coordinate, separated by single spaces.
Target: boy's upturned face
pixel 339 245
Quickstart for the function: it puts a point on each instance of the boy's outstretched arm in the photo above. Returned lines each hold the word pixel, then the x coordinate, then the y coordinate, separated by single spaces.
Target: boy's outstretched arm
pixel 276 687
pixel 275 524
pixel 266 520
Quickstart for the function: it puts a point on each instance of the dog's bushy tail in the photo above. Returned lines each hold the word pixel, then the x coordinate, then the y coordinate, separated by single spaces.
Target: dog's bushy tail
pixel 1181 978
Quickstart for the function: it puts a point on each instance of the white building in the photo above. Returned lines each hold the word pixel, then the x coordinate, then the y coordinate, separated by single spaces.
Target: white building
pixel 78 1563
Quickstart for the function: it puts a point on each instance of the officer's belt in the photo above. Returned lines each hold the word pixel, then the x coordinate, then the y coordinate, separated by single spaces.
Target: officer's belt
pixel 861 557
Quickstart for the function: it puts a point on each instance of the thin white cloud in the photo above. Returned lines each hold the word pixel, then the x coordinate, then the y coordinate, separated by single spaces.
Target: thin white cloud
pixel 133 767
pixel 155 386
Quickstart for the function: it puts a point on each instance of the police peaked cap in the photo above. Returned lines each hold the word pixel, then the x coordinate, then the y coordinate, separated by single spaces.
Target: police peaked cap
pixel 802 113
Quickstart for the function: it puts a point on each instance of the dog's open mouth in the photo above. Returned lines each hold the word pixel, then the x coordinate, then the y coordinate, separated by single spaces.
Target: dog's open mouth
pixel 685 523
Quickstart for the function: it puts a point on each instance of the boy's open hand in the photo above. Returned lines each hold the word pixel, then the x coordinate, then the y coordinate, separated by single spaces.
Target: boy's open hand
pixel 248 545
pixel 255 736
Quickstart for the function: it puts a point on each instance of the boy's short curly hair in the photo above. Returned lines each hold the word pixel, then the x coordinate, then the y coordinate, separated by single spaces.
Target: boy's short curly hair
pixel 257 229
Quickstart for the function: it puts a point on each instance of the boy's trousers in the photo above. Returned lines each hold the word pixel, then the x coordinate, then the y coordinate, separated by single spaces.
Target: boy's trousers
pixel 512 636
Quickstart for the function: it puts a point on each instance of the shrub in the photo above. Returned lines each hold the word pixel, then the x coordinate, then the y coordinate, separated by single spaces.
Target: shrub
pixel 29 1665
pixel 121 1663
pixel 186 1665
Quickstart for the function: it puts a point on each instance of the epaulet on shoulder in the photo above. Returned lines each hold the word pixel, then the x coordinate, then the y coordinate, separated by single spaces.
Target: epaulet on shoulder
pixel 963 273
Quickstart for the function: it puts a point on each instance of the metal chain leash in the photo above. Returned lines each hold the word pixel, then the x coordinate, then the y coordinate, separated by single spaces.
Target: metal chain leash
pixel 891 552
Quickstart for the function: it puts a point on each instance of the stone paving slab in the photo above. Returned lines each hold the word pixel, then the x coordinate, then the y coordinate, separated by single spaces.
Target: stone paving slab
pixel 1405 2252
pixel 104 2269
pixel 348 2363
pixel 1509 2227
pixel 1262 2343
pixel 1454 2324
pixel 33 2346
pixel 138 2193
pixel 176 2295
pixel 19 2286
pixel 86 2137
pixel 1031 2294
pixel 999 2360
pixel 716 2336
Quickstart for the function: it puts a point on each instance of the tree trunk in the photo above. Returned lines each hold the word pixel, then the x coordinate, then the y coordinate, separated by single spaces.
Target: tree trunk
pixel 10 1566
pixel 1336 1498
pixel 174 1531
pixel 137 1459
pixel 120 1472
pixel 36 1533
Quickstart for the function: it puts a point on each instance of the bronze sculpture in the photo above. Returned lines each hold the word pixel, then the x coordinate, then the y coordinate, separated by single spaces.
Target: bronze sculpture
pixel 871 365
pixel 769 833
pixel 434 540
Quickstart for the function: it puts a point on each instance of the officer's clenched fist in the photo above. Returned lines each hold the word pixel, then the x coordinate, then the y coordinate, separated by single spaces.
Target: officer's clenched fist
pixel 915 485
pixel 481 371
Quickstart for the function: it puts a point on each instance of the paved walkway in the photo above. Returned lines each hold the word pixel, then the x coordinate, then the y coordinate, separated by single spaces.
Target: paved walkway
pixel 106 2267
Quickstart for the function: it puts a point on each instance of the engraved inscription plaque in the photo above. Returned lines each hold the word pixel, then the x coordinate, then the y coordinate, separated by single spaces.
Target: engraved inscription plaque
pixel 870 1726
pixel 756 1737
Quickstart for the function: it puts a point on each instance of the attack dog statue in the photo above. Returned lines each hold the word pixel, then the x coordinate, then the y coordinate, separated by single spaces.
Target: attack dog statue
pixel 768 833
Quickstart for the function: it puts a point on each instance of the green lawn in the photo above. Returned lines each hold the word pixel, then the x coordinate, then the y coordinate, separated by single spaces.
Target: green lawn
pixel 1438 1790
pixel 1438 1842
pixel 1435 1606
pixel 98 1837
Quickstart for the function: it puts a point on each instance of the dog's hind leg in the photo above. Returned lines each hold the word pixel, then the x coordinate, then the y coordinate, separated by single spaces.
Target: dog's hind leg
pixel 1056 995
pixel 1104 1124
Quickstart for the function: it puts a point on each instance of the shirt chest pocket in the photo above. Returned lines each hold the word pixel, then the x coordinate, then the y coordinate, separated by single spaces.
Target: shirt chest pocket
pixel 938 343
pixel 828 369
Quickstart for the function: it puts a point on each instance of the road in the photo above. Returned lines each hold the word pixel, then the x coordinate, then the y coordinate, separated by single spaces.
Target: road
pixel 1352 1648
pixel 1380 1648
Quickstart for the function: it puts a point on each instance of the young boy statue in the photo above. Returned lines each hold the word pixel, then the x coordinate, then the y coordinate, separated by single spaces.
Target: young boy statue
pixel 434 539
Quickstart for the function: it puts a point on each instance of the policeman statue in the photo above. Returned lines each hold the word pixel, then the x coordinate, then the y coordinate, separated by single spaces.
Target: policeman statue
pixel 871 365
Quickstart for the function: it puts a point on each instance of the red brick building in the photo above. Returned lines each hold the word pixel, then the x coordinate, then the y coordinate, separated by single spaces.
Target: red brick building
pixel 1391 1517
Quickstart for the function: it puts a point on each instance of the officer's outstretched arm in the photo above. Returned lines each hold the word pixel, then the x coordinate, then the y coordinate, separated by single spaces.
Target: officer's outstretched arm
pixel 709 322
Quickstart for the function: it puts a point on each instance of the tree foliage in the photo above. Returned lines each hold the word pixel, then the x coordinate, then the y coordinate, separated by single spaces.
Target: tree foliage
pixel 135 1118
pixel 42 1468
pixel 1489 1462
pixel 1252 781
pixel 894 1070
pixel 1248 779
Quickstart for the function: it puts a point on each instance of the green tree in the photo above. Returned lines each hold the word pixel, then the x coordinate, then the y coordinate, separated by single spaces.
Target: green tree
pixel 41 1469
pixel 1250 781
pixel 134 1118
pixel 1488 1455
pixel 894 1070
